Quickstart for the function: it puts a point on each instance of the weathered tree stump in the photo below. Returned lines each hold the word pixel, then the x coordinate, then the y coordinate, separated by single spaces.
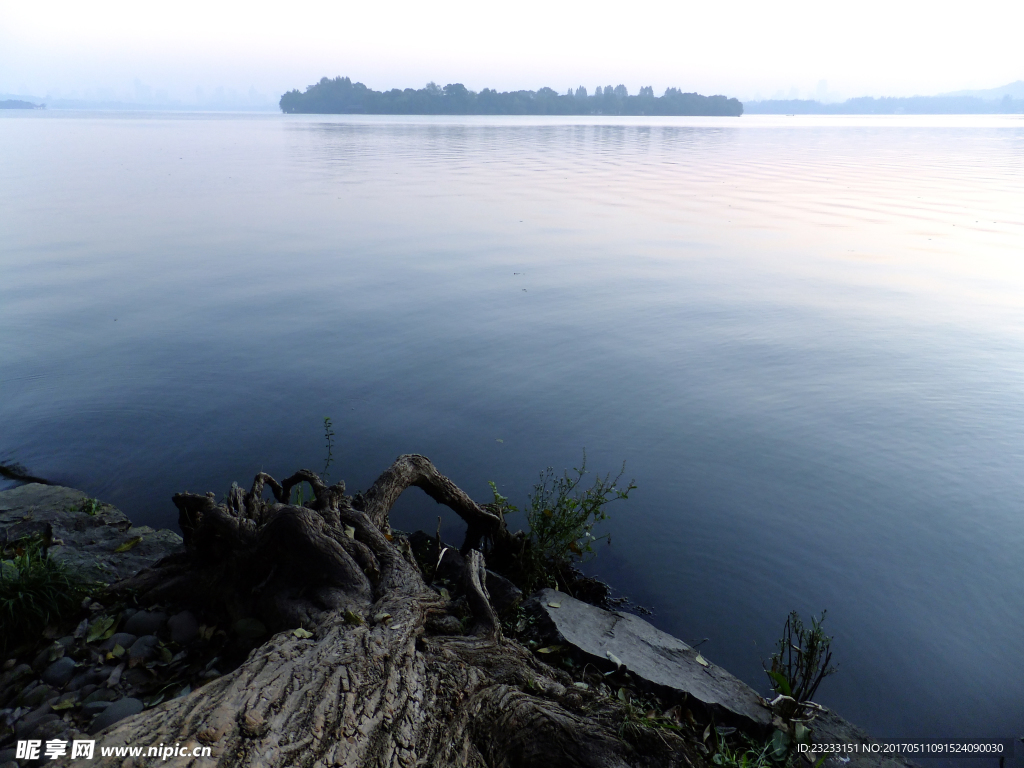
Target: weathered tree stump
pixel 379 683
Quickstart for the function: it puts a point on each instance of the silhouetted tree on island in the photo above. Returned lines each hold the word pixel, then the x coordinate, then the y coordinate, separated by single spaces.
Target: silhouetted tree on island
pixel 342 96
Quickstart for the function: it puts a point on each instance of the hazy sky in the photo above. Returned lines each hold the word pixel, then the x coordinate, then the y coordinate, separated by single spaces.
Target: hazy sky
pixel 737 47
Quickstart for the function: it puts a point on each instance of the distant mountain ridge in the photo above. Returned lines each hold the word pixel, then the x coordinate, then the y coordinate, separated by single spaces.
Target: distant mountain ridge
pixel 342 96
pixel 20 104
pixel 1006 99
pixel 125 105
pixel 1014 90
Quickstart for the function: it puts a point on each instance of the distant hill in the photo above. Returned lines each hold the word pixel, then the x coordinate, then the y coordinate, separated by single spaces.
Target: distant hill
pixel 912 105
pixel 1014 90
pixel 342 96
pixel 19 104
pixel 238 104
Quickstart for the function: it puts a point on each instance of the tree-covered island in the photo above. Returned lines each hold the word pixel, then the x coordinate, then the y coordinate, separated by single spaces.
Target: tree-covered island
pixel 342 96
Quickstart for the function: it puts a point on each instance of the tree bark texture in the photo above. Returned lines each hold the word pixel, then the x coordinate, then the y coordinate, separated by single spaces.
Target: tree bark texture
pixel 383 681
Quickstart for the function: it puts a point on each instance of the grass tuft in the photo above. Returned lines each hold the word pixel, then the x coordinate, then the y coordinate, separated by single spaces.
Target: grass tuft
pixel 35 592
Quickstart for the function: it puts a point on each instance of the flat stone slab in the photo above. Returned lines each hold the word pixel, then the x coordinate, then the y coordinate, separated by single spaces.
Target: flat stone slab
pixel 650 654
pixel 657 657
pixel 87 543
pixel 829 728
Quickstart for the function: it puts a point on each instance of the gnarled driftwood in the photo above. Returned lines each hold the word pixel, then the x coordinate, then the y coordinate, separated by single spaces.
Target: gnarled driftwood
pixel 377 684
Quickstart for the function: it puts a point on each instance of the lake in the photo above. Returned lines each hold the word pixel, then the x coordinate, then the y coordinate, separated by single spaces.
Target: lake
pixel 804 336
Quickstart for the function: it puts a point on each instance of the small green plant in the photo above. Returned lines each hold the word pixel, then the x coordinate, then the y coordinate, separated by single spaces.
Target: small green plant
pixel 91 507
pixel 35 592
pixel 800 663
pixel 298 497
pixel 298 494
pixel 641 712
pixel 746 754
pixel 329 438
pixel 562 515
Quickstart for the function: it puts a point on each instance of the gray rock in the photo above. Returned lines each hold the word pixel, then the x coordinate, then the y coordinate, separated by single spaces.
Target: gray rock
pixel 26 730
pixel 144 648
pixel 504 594
pixel 7 756
pixel 451 568
pixel 86 542
pixel 118 710
pixel 12 683
pixel 29 721
pixel 47 656
pixel 51 729
pixel 69 696
pixel 136 677
pixel 145 623
pixel 20 672
pixel 37 696
pixel 100 694
pixel 124 639
pixel 829 728
pixel 94 707
pixel 184 627
pixel 649 654
pixel 60 672
pixel 89 677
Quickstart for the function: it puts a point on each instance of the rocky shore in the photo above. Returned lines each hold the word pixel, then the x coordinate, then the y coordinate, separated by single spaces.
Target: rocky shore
pixel 117 659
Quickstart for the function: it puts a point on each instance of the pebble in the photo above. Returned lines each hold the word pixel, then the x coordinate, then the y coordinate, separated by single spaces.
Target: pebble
pixel 44 658
pixel 100 694
pixel 184 627
pixel 144 648
pixel 145 623
pixel 124 639
pixel 37 695
pixel 117 711
pixel 60 672
pixel 51 729
pixel 95 707
pixel 136 677
pixel 15 674
pixel 28 723
pixel 89 677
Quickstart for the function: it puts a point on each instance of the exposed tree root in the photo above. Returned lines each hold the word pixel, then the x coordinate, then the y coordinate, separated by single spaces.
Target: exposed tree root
pixel 378 684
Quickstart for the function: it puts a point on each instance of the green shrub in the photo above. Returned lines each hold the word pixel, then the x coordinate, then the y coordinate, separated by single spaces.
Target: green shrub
pixel 561 516
pixel 35 592
pixel 800 663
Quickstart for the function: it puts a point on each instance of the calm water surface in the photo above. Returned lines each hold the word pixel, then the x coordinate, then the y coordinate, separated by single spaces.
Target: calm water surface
pixel 804 336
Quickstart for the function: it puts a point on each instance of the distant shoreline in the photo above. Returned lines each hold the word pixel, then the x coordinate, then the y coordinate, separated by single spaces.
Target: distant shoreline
pixel 909 105
pixel 19 104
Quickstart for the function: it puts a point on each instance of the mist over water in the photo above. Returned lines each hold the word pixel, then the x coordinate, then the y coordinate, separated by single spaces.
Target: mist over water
pixel 804 336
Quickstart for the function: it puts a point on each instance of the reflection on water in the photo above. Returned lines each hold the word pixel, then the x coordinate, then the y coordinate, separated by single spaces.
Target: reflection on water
pixel 804 336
